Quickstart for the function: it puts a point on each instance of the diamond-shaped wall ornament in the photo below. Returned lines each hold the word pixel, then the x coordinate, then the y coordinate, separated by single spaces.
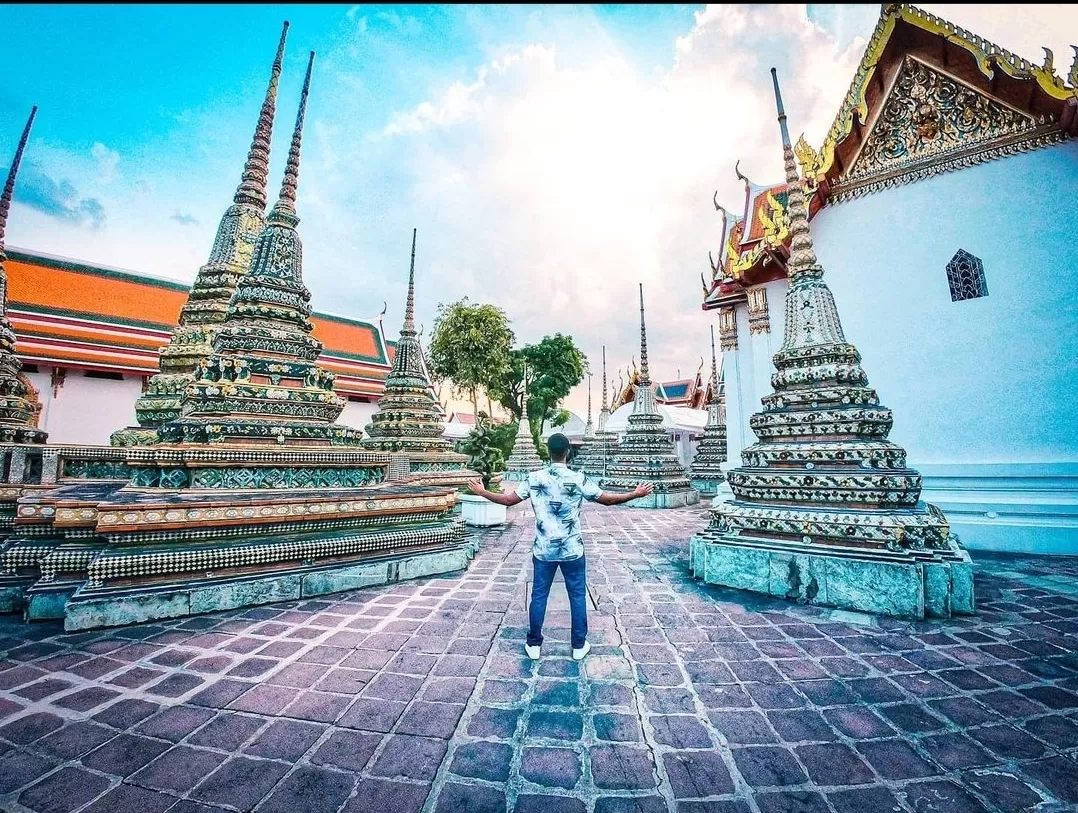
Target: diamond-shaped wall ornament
pixel 965 276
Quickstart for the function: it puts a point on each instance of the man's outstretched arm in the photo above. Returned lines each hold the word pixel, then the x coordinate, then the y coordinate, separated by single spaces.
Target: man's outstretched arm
pixel 507 499
pixel 611 498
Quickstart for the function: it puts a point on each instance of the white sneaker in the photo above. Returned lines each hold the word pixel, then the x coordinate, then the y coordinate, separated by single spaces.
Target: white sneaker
pixel 578 654
pixel 533 651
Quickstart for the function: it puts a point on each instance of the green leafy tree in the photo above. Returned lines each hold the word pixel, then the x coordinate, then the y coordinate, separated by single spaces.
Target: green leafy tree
pixel 555 365
pixel 485 447
pixel 470 345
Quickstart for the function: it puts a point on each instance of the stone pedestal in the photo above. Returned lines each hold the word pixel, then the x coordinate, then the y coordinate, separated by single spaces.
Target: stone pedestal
pixel 938 584
pixel 481 511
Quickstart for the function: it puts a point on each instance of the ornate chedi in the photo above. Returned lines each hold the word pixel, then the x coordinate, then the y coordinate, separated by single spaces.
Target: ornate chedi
pixel 262 384
pixel 646 452
pixel 409 417
pixel 706 469
pixel 254 495
pixel 206 309
pixel 825 509
pixel 597 447
pixel 18 406
pixel 21 442
pixel 524 458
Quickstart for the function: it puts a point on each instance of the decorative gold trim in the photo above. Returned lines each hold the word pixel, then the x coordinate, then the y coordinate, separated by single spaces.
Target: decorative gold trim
pixel 727 328
pixel 978 154
pixel 988 55
pixel 759 318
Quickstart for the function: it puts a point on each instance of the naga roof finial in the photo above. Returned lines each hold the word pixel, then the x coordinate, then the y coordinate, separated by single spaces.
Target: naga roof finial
pixel 737 171
pixel 284 210
pixel 409 307
pixel 252 188
pixel 12 173
pixel 645 379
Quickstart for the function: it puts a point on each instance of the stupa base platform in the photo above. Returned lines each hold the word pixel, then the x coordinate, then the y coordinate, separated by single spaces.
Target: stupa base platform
pixel 134 436
pixel 91 608
pixel 678 498
pixel 910 584
pixel 707 488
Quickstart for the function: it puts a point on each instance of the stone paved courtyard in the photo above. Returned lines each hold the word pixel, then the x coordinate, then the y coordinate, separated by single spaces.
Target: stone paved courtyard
pixel 417 697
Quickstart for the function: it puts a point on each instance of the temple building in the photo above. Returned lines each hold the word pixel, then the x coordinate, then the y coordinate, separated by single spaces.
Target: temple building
pixel 825 509
pixel 964 306
pixel 681 404
pixel 89 338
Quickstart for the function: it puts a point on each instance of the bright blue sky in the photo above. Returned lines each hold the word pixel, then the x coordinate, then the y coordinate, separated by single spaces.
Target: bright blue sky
pixel 551 156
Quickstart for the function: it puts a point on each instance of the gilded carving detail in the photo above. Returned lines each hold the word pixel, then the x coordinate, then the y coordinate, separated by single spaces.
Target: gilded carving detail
pixel 727 328
pixel 759 319
pixel 929 115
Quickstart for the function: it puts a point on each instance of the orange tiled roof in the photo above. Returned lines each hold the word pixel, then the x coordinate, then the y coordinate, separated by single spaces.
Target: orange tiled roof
pixel 76 314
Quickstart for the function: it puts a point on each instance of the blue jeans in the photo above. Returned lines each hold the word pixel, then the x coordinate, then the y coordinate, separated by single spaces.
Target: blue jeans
pixel 574 572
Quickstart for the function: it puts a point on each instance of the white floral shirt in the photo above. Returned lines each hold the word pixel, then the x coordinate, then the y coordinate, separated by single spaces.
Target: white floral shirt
pixel 557 492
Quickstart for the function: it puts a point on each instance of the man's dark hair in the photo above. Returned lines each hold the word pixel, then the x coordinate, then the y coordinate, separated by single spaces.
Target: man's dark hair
pixel 558 446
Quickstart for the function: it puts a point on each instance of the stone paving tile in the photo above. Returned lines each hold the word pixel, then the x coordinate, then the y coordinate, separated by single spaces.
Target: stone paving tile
pixel 417 698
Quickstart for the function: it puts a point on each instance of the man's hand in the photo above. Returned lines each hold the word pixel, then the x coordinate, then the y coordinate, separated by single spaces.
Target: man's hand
pixel 643 490
pixel 476 487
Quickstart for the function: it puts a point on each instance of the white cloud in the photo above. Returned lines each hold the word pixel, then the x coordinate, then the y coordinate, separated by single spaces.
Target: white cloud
pixel 107 161
pixel 552 185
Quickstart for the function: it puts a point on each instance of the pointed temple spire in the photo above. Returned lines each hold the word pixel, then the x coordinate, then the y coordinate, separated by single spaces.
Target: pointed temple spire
pixel 589 397
pixel 284 210
pixel 409 305
pixel 598 445
pixel 204 313
pixel 646 452
pixel 252 188
pixel 12 173
pixel 409 419
pixel 604 406
pixel 18 406
pixel 823 497
pixel 589 429
pixel 645 379
pixel 714 370
pixel 706 469
pixel 523 458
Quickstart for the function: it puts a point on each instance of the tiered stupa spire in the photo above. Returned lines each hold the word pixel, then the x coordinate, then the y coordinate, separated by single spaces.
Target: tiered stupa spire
pixel 207 305
pixel 646 453
pixel 598 447
pixel 706 469
pixel 524 458
pixel 409 417
pixel 589 429
pixel 18 408
pixel 261 384
pixel 825 509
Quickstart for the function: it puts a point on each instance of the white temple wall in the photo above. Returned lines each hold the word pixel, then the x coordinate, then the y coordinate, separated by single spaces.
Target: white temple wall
pixel 85 409
pixel 358 414
pixel 88 409
pixel 983 390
